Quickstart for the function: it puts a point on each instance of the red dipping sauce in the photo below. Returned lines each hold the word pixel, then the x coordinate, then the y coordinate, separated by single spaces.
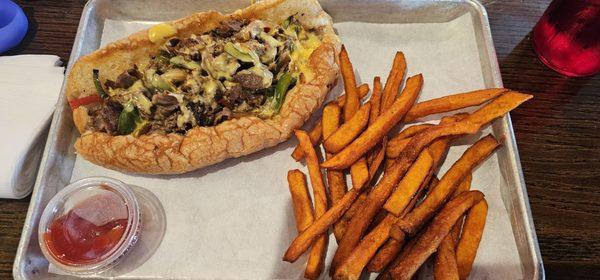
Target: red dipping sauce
pixel 89 225
pixel 73 239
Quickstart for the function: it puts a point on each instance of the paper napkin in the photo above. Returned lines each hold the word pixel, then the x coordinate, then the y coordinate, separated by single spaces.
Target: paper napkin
pixel 29 88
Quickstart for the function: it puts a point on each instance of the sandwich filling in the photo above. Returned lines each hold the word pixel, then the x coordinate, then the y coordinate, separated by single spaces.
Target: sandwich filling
pixel 241 68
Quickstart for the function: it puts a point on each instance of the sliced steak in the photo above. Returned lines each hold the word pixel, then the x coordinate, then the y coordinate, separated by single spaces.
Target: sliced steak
pixel 228 28
pixel 231 97
pixel 249 81
pixel 127 78
pixel 164 126
pixel 165 104
pixel 223 115
pixel 105 117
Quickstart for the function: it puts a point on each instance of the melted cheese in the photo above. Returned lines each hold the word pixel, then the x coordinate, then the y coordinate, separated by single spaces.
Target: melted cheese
pixel 160 32
pixel 185 117
pixel 301 54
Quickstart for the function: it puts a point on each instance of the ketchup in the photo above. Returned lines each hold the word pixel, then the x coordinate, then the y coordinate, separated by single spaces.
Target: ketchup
pixel 89 230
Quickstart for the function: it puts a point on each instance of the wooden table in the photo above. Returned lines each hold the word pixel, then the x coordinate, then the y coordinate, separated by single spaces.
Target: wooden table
pixel 558 134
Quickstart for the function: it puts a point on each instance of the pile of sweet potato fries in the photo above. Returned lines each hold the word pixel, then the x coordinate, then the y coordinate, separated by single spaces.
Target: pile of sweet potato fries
pixel 397 214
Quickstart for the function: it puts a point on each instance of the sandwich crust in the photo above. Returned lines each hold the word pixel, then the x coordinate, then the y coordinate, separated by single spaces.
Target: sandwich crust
pixel 202 146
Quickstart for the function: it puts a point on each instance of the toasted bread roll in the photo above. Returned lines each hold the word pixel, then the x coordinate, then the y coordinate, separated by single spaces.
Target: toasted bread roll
pixel 199 146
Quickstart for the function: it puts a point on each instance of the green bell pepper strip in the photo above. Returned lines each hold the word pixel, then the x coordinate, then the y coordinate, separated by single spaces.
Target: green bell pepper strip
pixel 182 62
pixel 128 119
pixel 98 85
pixel 283 84
pixel 232 50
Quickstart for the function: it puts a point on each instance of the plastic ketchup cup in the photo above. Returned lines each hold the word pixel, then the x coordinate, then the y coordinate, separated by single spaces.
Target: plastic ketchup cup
pixel 90 225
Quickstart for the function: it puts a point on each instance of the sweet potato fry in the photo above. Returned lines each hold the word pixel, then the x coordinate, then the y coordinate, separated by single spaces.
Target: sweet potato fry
pixel 408 186
pixel 331 119
pixel 399 142
pixel 392 247
pixel 316 132
pixel 439 147
pixel 361 220
pixel 385 255
pixel 304 217
pixel 464 186
pixel 303 241
pixel 377 154
pixel 400 145
pixel 444 265
pixel 469 125
pixel 452 102
pixel 375 100
pixel 316 259
pixel 337 189
pixel 411 131
pixel 336 179
pixel 395 147
pixel 434 106
pixel 471 236
pixel 438 150
pixel 352 99
pixel 348 131
pixel 345 219
pixel 380 128
pixel 362 92
pixel 473 122
pixel 387 252
pixel 474 155
pixel 363 89
pixel 497 108
pixel 394 80
pixel 300 199
pixel 353 265
pixel 434 180
pixel 359 173
pixel 430 239
pixel 377 159
pixel 316 177
pixel 378 196
pixel 378 218
pixel 315 137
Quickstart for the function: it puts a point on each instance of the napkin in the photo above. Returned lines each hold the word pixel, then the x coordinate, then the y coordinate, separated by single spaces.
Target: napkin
pixel 29 88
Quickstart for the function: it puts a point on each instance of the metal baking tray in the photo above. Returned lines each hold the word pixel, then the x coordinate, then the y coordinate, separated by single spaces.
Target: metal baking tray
pixel 59 157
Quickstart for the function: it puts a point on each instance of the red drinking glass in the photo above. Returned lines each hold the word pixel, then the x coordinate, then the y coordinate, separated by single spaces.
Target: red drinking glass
pixel 567 37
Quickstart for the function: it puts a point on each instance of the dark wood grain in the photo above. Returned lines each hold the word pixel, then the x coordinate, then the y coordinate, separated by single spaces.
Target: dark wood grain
pixel 559 143
pixel 558 134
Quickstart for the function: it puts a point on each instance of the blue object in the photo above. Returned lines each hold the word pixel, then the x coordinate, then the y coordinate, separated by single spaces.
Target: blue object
pixel 13 25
